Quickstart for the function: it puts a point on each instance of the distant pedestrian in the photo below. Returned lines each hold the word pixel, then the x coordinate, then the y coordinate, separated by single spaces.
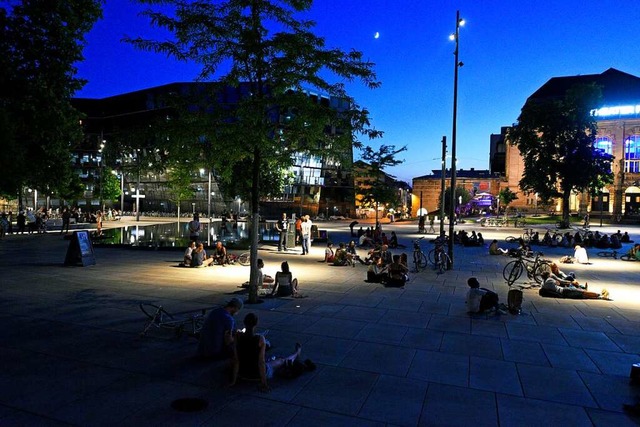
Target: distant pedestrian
pixel 194 228
pixel 282 225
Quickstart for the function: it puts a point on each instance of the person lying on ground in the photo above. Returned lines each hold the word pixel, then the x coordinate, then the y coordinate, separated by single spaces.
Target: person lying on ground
pixel 250 361
pixel 565 279
pixel 554 286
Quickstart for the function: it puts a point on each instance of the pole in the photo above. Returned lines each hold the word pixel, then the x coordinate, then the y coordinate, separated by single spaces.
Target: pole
pixel 209 210
pixel 452 206
pixel 442 185
pixel 138 192
pixel 121 191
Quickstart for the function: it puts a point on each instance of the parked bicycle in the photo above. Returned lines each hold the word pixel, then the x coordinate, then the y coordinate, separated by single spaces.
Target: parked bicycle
pixel 439 259
pixel 527 235
pixel 242 259
pixel 419 258
pixel 534 268
pixel 191 322
pixel 608 254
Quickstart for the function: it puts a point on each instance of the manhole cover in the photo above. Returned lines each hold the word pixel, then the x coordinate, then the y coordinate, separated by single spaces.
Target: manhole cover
pixel 189 404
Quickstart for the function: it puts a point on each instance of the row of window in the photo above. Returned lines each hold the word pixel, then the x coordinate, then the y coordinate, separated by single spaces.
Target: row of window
pixel 631 151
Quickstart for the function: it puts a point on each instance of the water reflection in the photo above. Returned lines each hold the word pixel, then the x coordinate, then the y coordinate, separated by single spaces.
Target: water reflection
pixel 176 234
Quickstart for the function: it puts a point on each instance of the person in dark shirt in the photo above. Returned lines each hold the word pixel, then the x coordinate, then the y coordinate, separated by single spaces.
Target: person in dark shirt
pixel 218 331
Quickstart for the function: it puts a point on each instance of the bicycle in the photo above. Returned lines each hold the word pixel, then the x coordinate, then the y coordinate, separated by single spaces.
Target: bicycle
pixel 242 259
pixel 419 258
pixel 527 234
pixel 534 268
pixel 608 254
pixel 160 318
pixel 440 259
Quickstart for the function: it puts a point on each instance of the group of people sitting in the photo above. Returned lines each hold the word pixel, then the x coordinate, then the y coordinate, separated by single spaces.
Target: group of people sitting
pixel 196 256
pixel 344 255
pixel 468 239
pixel 386 268
pixel 590 239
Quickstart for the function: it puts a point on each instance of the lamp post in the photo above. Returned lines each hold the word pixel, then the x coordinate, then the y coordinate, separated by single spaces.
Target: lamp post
pixel 452 209
pixel 442 186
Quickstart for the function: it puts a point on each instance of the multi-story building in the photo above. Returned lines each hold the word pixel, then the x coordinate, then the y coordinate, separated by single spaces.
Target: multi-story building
pixel 618 121
pixel 318 185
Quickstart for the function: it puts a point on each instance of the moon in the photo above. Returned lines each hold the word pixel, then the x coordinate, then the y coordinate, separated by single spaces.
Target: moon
pixel 376 35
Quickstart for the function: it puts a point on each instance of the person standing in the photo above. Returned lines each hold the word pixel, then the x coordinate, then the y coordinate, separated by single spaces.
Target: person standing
pixel 281 226
pixel 306 235
pixel 194 228
pixel 66 218
pixel 298 226
pixel 21 222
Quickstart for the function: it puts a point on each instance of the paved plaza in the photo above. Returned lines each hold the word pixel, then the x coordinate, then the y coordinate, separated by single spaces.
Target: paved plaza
pixel 71 354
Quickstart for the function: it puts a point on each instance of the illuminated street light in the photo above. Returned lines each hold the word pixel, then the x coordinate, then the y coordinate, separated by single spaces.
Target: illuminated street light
pixel 452 208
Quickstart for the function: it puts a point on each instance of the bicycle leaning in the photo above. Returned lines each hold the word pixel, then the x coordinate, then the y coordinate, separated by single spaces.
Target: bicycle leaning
pixel 419 258
pixel 534 268
pixel 439 259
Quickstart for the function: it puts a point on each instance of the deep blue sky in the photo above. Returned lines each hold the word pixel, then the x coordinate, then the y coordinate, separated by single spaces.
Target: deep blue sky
pixel 509 49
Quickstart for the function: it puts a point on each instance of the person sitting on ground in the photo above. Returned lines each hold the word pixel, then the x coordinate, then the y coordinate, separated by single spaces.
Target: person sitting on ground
pixel 634 252
pixel 218 331
pixel 480 240
pixel 341 257
pixel 249 360
pixel 386 255
pixel 404 260
pixel 365 241
pixel 187 254
pixel 481 299
pixel 329 255
pixel 285 285
pixel 535 238
pixel 563 278
pixel 372 255
pixel 580 255
pixel 625 238
pixel 199 257
pixel 351 251
pixel 377 272
pixel 615 242
pixel 495 250
pixel 551 286
pixel 263 279
pixel 220 254
pixel 398 273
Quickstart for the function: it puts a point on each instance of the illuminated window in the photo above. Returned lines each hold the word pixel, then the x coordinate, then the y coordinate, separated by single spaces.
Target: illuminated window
pixel 604 144
pixel 632 154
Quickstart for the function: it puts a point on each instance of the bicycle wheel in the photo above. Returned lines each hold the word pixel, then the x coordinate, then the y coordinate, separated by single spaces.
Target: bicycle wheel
pixel 512 271
pixel 152 311
pixel 422 261
pixel 511 239
pixel 431 256
pixel 244 258
pixel 541 268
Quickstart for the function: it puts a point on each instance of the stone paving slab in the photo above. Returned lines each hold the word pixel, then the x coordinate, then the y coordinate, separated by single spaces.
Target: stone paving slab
pixel 71 353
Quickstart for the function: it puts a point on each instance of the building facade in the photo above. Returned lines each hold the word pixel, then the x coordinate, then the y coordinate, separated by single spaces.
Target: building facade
pixel 318 184
pixel 618 122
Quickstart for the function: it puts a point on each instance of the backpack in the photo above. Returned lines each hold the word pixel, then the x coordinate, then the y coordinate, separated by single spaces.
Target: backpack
pixel 514 301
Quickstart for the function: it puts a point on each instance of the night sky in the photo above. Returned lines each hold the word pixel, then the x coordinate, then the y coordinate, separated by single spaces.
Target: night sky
pixel 509 49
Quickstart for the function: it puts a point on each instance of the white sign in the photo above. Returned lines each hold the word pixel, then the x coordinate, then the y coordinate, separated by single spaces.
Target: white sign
pixel 621 110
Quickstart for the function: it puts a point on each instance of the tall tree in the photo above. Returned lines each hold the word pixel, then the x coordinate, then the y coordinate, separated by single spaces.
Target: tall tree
pixel 271 57
pixel 40 43
pixel 372 179
pixel 556 138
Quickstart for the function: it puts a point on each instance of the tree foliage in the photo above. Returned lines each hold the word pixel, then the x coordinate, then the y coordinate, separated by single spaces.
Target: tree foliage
pixel 506 196
pixel 373 185
pixel 556 138
pixel 460 192
pixel 270 56
pixel 40 41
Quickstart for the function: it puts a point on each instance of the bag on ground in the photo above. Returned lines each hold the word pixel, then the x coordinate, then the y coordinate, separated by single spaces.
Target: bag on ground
pixel 514 300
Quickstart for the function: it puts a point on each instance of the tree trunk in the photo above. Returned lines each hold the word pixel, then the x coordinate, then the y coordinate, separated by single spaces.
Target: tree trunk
pixel 565 208
pixel 255 227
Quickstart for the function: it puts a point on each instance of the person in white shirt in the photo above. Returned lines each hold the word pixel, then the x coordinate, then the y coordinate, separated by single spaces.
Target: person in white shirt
pixel 306 234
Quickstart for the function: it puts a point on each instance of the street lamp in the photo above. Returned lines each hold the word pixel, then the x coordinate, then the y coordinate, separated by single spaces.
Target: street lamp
pixel 452 209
